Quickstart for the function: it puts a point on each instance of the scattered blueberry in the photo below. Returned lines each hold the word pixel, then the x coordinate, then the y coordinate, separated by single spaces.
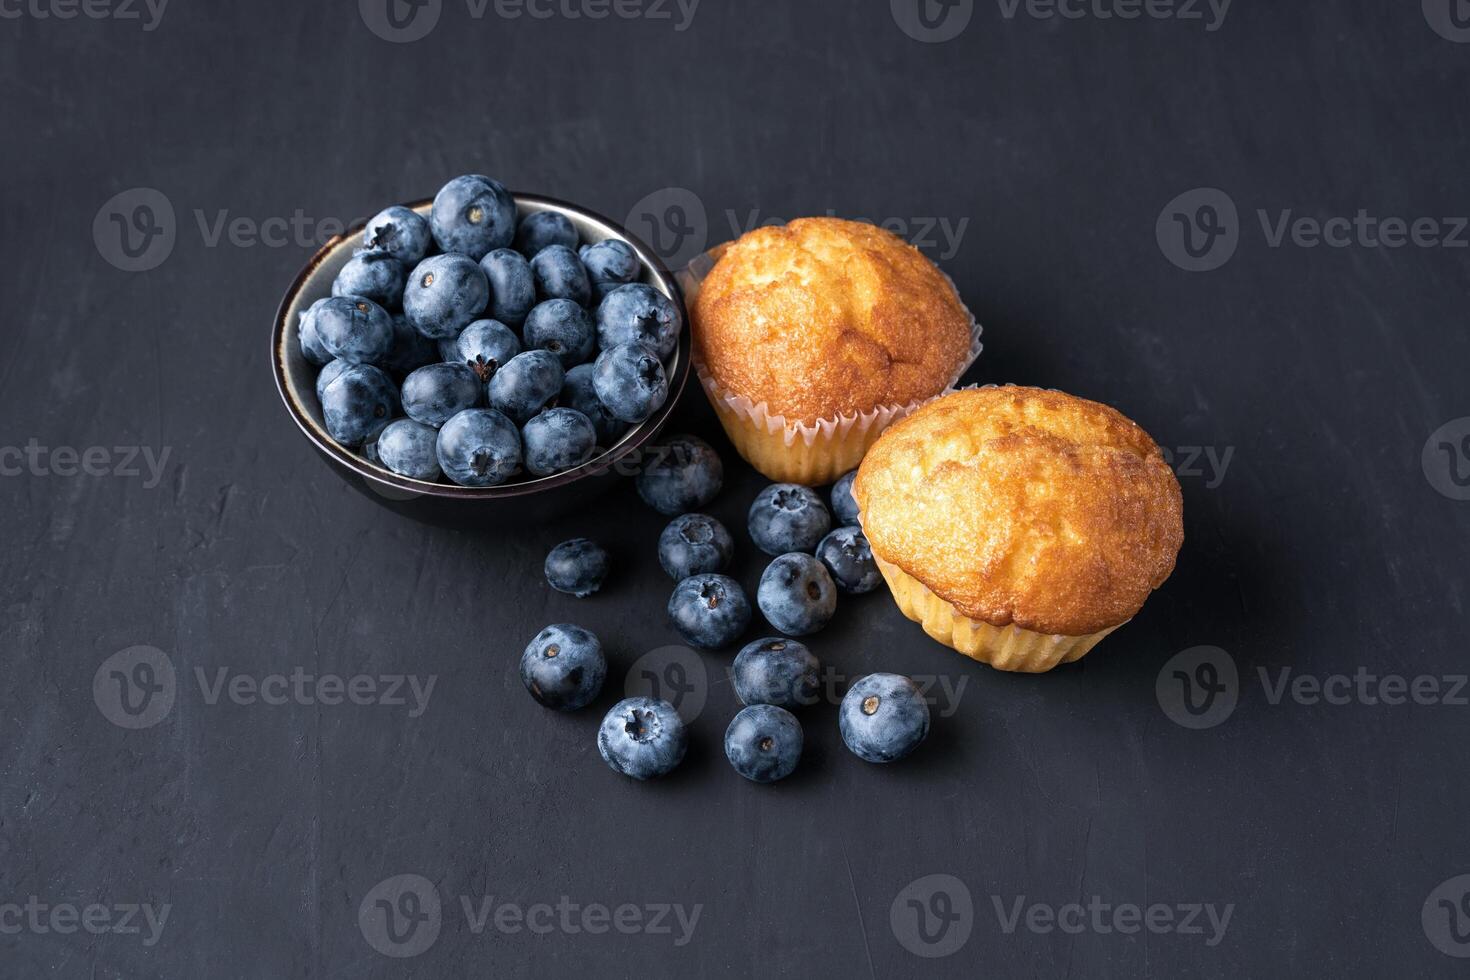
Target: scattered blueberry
pixel 610 264
pixel 472 215
pixel 436 393
pixel 763 743
pixel 311 344
pixel 355 329
pixel 694 544
pixel 329 374
pixel 577 567
pixel 883 717
pixel 411 350
pixel 557 440
pixel 559 274
pixel 639 314
pixel 848 557
pixel 537 231
pixel 479 447
pixel 377 276
pixel 844 506
pixel 643 738
pixel 483 346
pixel 409 449
pixel 796 594
pixel 512 287
pixel 709 611
pixel 629 379
pixel 564 667
pixel 787 517
pixel 444 294
pixel 359 402
pixel 400 232
pixel 777 671
pixel 525 383
pixel 576 392
pixel 562 327
pixel 683 474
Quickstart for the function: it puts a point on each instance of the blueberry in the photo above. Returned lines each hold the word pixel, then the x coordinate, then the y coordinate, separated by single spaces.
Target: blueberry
pixel 777 671
pixel 444 294
pixel 787 517
pixel 577 567
pixel 355 329
pixel 709 611
pixel 883 717
pixel 537 231
pixel 559 274
pixel 564 328
pixel 472 215
pixel 682 475
pixel 479 447
pixel 311 344
pixel 435 394
pixel 639 314
pixel 329 374
pixel 576 392
pixel 525 383
pixel 409 449
pixel 629 379
pixel 564 667
pixel 483 346
pixel 377 276
pixel 609 264
pixel 512 287
pixel 694 544
pixel 844 505
pixel 557 440
pixel 643 738
pixel 848 557
pixel 763 743
pixel 411 350
pixel 359 402
pixel 400 232
pixel 796 594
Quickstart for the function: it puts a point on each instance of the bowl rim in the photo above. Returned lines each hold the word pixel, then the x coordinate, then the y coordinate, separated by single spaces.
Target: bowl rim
pixel 631 442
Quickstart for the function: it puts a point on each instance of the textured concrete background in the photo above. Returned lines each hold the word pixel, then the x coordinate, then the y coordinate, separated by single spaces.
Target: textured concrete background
pixel 1313 398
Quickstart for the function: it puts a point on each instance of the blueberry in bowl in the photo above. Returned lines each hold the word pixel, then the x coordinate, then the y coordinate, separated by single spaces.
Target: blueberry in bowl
pixel 473 215
pixel 797 594
pixel 710 611
pixel 788 517
pixel 537 231
pixel 639 314
pixel 643 738
pixel 883 717
pixel 512 287
pixel 445 294
pixel 359 404
pixel 353 328
pixel 763 743
pixel 483 346
pixel 577 392
pixel 410 449
pixel 436 393
pixel 559 274
pixel 610 264
pixel 564 667
pixel 558 439
pixel 630 380
pixel 377 276
pixel 400 232
pixel 479 447
pixel 525 384
pixel 562 327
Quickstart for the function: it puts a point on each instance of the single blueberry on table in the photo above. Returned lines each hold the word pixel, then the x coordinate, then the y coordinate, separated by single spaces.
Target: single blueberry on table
pixel 445 293
pixel 577 392
pixel 512 287
pixel 355 329
pixel 411 350
pixel 629 379
pixel 564 667
pixel 564 328
pixel 472 215
pixel 639 314
pixel 797 594
pixel 410 449
pixel 763 743
pixel 788 517
pixel 709 611
pixel 400 232
pixel 329 374
pixel 311 344
pixel 525 383
pixel 883 717
pixel 694 544
pixel 537 231
pixel 483 346
pixel 377 276
pixel 436 393
pixel 577 567
pixel 844 505
pixel 559 274
pixel 610 264
pixel 358 404
pixel 777 671
pixel 479 447
pixel 849 558
pixel 643 738
pixel 681 475
pixel 557 440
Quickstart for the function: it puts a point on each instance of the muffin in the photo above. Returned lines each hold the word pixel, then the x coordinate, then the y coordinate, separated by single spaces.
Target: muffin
pixel 812 337
pixel 1020 526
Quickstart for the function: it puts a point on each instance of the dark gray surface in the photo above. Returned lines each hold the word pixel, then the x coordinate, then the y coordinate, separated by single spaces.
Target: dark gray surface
pixel 1325 547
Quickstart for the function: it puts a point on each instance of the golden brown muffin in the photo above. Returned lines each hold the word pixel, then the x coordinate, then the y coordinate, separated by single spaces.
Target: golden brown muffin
pixel 1020 525
pixel 817 321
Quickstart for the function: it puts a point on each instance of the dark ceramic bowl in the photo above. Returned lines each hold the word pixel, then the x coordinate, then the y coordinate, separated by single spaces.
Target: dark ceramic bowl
pixel 523 499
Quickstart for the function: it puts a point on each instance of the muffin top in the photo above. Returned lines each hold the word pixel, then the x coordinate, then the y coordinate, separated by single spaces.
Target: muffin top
pixel 824 317
pixel 1024 506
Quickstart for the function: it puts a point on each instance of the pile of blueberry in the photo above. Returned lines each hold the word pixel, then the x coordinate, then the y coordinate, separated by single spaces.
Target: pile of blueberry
pixel 481 345
pixel 883 717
